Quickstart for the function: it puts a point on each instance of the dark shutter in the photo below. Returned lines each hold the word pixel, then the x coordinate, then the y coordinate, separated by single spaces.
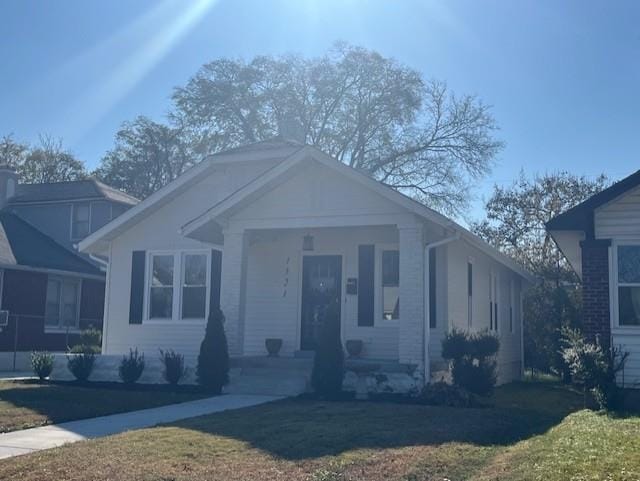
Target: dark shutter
pixel 216 270
pixel 432 288
pixel 366 284
pixel 136 300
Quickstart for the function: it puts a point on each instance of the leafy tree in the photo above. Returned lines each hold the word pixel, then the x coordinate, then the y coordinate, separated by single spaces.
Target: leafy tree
pixel 515 224
pixel 517 214
pixel 147 156
pixel 46 162
pixel 213 360
pixel 50 162
pixel 368 111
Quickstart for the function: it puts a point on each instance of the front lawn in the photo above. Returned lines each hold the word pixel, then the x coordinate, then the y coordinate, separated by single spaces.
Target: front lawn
pixel 26 404
pixel 535 432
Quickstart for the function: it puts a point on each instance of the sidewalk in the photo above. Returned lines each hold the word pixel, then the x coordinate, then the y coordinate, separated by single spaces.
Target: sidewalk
pixel 46 437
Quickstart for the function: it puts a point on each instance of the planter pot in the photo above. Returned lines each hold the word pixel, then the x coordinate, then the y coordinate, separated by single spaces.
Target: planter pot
pixel 354 347
pixel 273 346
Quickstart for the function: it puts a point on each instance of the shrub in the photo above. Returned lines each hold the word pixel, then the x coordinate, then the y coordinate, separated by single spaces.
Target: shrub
pixel 213 360
pixel 131 367
pixel 81 365
pixel 90 341
pixel 328 362
pixel 42 364
pixel 174 368
pixel 443 394
pixel 472 358
pixel 594 367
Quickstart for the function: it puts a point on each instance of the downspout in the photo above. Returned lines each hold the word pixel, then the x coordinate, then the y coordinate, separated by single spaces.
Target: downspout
pixel 426 361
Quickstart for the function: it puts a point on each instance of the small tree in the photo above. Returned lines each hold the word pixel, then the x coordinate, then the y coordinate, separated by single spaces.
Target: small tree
pixel 131 366
pixel 213 360
pixel 328 362
pixel 173 366
pixel 42 364
pixel 472 357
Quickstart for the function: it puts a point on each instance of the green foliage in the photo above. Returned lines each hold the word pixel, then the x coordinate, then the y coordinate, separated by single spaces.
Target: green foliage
pixel 81 365
pixel 42 364
pixel 370 112
pixel 90 341
pixel 131 366
pixel 472 358
pixel 173 366
pixel 328 362
pixel 213 360
pixel 443 394
pixel 547 310
pixel 594 367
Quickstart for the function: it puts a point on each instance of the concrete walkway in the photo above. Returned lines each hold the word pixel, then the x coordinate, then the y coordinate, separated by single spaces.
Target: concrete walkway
pixel 46 437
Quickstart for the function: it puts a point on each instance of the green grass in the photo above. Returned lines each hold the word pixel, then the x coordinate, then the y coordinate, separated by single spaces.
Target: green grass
pixel 29 404
pixel 535 431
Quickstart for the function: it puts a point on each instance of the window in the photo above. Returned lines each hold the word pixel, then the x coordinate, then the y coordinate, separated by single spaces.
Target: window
pixel 178 285
pixel 390 285
pixel 100 214
pixel 470 293
pixel 62 303
pixel 161 289
pixel 80 220
pixel 194 286
pixel 493 302
pixel 628 285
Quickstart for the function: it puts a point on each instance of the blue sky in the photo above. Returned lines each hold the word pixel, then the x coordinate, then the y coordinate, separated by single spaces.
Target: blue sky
pixel 562 77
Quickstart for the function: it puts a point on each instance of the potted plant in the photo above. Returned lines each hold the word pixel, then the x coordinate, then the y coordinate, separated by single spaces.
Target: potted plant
pixel 354 347
pixel 273 346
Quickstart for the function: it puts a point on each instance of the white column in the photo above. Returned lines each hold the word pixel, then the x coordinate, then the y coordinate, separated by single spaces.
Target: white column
pixel 412 303
pixel 232 288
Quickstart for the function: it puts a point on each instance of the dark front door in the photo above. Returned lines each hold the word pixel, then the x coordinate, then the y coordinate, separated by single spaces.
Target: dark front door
pixel 321 289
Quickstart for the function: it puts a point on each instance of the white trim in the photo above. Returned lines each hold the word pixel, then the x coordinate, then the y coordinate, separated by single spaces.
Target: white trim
pixel 177 281
pixel 614 284
pixel 55 272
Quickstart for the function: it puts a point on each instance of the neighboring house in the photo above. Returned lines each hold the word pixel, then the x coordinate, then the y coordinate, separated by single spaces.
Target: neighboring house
pixel 274 233
pixel 601 240
pixel 49 289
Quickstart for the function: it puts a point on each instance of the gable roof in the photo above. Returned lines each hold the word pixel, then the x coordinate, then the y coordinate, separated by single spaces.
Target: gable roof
pixel 23 245
pixel 580 217
pixel 297 153
pixel 86 189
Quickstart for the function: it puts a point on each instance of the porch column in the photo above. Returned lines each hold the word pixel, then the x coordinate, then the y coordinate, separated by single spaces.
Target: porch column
pixel 412 317
pixel 233 288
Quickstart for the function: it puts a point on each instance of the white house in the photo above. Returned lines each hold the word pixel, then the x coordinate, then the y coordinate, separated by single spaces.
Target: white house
pixel 276 230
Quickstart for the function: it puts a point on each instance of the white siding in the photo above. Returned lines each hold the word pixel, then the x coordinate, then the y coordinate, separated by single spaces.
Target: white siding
pixel 274 288
pixel 619 219
pixel 159 231
pixel 630 342
pixel 458 254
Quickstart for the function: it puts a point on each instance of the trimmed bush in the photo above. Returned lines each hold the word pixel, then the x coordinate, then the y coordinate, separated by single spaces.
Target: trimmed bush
pixel 328 362
pixel 42 364
pixel 213 360
pixel 472 358
pixel 81 365
pixel 594 367
pixel 173 364
pixel 90 341
pixel 131 367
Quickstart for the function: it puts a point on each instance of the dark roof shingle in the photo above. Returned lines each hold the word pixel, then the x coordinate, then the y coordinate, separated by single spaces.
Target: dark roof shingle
pixel 71 190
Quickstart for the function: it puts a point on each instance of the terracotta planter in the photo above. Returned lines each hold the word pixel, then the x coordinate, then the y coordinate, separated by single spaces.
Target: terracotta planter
pixel 354 347
pixel 273 346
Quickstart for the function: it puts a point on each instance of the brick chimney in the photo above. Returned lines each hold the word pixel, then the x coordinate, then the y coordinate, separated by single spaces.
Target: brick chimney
pixel 8 183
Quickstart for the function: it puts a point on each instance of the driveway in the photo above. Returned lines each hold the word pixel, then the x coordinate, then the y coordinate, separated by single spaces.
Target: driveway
pixel 46 437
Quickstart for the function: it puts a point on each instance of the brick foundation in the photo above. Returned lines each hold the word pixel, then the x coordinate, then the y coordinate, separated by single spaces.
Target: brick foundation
pixel 595 290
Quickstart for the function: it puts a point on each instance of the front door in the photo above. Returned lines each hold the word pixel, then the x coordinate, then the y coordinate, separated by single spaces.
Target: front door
pixel 321 289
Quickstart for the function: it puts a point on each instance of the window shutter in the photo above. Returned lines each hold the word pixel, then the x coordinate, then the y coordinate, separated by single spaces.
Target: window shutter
pixel 136 300
pixel 216 270
pixel 366 284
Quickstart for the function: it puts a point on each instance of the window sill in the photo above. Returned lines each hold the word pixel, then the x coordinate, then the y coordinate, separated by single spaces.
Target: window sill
pixel 62 330
pixel 635 330
pixel 176 322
